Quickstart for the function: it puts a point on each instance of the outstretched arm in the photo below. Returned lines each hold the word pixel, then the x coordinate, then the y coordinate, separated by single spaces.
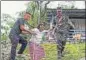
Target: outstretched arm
pixel 26 31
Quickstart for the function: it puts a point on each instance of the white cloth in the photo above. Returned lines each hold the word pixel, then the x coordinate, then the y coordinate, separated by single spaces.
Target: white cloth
pixel 26 26
pixel 38 37
pixel 51 34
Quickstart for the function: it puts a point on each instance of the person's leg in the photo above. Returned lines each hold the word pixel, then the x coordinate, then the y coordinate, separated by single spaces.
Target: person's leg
pixel 59 48
pixel 59 45
pixel 24 44
pixel 62 49
pixel 64 36
pixel 63 45
pixel 14 41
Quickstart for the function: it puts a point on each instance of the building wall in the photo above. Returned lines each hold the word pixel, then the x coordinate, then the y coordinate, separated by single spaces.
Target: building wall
pixel 79 23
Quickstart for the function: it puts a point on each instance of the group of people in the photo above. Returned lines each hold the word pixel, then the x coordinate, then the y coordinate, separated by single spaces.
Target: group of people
pixel 59 32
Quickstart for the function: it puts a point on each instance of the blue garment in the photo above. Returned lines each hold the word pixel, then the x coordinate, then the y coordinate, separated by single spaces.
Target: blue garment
pixel 16 38
pixel 16 27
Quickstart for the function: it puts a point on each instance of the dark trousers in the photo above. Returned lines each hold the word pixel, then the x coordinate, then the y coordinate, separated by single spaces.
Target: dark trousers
pixel 60 46
pixel 15 39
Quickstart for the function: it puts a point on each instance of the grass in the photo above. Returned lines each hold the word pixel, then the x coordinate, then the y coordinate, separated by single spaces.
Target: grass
pixel 72 51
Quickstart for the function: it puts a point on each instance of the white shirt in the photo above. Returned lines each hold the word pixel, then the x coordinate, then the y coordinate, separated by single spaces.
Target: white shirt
pixel 38 37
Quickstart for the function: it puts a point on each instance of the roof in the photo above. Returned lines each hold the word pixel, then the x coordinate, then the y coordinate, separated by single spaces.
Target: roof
pixel 72 13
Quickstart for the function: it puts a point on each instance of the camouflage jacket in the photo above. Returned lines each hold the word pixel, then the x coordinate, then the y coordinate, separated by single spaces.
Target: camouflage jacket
pixel 64 26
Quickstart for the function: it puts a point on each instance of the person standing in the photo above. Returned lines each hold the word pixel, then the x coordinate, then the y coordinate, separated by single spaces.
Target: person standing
pixel 15 37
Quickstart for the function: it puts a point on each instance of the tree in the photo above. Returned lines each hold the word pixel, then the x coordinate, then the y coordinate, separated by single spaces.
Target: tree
pixel 37 10
pixel 43 12
pixel 32 7
pixel 7 23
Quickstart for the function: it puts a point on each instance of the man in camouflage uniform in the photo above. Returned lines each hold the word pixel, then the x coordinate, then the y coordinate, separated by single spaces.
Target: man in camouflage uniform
pixel 62 28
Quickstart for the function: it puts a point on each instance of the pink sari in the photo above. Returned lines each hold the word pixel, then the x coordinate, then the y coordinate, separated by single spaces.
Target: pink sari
pixel 36 51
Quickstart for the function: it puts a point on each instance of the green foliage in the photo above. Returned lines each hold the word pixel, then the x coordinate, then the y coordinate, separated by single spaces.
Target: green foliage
pixel 3 37
pixel 50 51
pixel 72 51
pixel 38 13
pixel 32 7
pixel 7 23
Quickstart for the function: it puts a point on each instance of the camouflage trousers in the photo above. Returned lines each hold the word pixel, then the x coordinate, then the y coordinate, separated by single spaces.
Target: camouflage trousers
pixel 61 42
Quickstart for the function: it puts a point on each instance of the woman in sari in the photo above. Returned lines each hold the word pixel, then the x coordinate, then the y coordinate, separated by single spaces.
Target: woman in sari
pixel 36 50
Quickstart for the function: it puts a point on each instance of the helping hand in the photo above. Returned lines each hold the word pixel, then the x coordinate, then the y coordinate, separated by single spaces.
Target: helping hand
pixel 33 33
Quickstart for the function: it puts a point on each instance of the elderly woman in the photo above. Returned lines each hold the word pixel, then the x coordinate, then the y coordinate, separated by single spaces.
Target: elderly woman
pixel 36 50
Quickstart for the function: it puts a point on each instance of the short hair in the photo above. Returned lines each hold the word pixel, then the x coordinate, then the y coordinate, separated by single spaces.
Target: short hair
pixel 40 25
pixel 27 13
pixel 59 8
